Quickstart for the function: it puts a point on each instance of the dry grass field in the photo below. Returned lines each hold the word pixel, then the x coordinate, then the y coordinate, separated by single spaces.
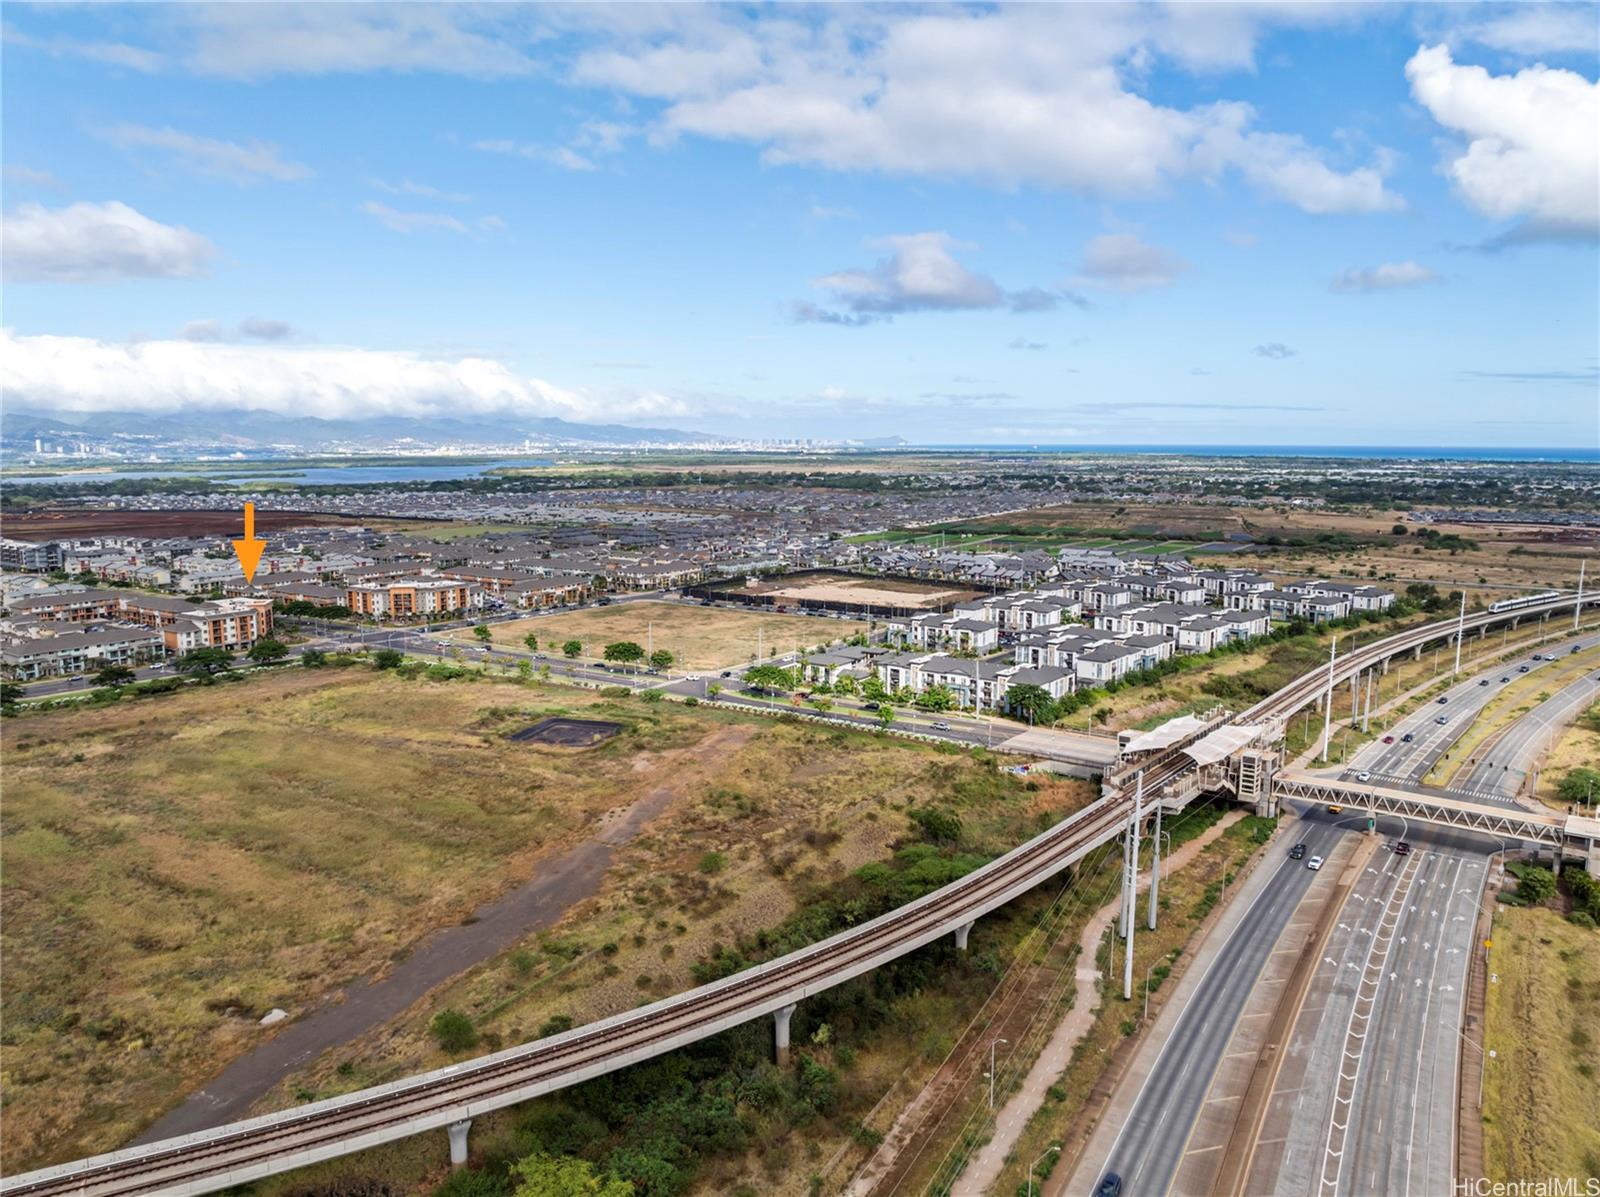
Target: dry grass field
pixel 1543 1024
pixel 697 637
pixel 173 868
pixel 1578 745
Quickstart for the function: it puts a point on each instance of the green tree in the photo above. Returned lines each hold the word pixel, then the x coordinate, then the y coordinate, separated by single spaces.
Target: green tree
pixel 1580 785
pixel 714 689
pixel 388 658
pixel 769 678
pixel 572 649
pixel 661 659
pixel 1398 530
pixel 1031 702
pixel 936 698
pixel 482 632
pixel 113 675
pixel 1536 886
pixel 886 715
pixel 454 1031
pixel 206 662
pixel 544 1175
pixel 10 693
pixel 623 652
pixel 267 650
pixel 823 705
pixel 940 826
pixel 313 658
pixel 532 642
pixel 845 685
pixel 525 669
pixel 872 689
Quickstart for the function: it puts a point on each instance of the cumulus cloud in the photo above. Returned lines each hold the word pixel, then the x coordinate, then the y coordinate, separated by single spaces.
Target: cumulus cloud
pixel 97 243
pixel 1122 262
pixel 250 162
pixel 421 222
pixel 1031 94
pixel 1391 276
pixel 920 274
pixel 1531 153
pixel 79 374
pixel 1275 351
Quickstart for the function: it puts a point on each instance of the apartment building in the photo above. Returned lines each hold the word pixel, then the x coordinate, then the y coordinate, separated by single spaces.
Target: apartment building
pixel 187 624
pixel 413 596
pixel 40 650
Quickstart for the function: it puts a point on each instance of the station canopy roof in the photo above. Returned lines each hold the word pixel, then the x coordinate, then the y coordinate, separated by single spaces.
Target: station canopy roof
pixel 1168 734
pixel 1222 743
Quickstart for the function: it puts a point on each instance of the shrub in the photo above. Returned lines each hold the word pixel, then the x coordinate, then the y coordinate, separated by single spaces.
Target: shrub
pixel 712 862
pixel 388 658
pixel 454 1031
pixel 939 826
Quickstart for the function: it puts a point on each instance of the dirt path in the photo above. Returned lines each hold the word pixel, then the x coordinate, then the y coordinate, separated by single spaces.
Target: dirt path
pixel 560 883
pixel 1014 1116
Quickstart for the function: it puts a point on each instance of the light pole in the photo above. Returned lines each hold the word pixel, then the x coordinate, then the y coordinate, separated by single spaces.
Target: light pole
pixel 1031 1167
pixel 992 1044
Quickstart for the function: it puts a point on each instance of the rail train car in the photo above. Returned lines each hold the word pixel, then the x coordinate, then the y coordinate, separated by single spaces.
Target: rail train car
pixel 1529 600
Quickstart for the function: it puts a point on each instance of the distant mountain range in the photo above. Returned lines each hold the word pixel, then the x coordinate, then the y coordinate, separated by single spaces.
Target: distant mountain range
pixel 267 430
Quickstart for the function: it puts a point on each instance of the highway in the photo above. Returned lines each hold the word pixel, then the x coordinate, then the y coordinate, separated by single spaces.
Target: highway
pixel 1406 763
pixel 231 1155
pixel 1365 1101
pixel 1505 761
pixel 1151 1140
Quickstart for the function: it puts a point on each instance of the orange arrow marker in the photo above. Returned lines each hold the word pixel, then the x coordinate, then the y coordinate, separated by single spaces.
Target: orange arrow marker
pixel 249 549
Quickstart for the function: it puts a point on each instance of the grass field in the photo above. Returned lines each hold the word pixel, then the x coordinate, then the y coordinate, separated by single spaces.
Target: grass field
pixel 1542 1088
pixel 1578 745
pixel 697 637
pixel 172 870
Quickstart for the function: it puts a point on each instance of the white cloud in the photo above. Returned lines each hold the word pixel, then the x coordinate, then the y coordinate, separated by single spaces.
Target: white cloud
pixel 201 330
pixel 1391 276
pixel 1122 262
pixel 421 190
pixel 19 175
pixel 116 54
pixel 259 328
pixel 1275 351
pixel 210 158
pixel 1033 94
pixel 79 374
pixel 1532 29
pixel 920 274
pixel 419 222
pixel 1531 151
pixel 97 243
pixel 563 156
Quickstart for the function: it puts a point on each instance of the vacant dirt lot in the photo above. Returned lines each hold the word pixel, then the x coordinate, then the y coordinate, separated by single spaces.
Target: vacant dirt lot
pixel 697 637
pixel 175 867
pixel 49 524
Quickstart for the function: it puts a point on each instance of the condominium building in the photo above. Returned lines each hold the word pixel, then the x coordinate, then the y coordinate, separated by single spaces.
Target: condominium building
pixel 407 597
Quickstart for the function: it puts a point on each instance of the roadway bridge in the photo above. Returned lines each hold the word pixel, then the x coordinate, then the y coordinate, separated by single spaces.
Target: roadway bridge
pixel 1234 755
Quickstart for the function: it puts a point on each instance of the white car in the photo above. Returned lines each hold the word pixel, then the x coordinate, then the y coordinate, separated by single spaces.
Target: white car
pixel 1314 863
pixel 1363 776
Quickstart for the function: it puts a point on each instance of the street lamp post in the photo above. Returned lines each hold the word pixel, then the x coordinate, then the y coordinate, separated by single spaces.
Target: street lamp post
pixel 992 1044
pixel 1033 1166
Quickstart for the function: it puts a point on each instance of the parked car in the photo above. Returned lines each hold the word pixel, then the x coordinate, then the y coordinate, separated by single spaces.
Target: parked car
pixel 1402 849
pixel 1297 852
pixel 1314 863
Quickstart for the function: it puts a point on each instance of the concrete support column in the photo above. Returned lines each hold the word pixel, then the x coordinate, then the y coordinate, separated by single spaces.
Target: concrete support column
pixel 458 1143
pixel 962 932
pixel 780 1032
pixel 1416 653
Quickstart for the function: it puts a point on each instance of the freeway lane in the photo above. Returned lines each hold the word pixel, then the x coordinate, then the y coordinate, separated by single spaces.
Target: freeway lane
pixel 1151 1139
pixel 1365 1101
pixel 1504 765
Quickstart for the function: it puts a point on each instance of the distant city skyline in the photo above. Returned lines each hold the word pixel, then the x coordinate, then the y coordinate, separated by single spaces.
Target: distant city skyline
pixel 1086 224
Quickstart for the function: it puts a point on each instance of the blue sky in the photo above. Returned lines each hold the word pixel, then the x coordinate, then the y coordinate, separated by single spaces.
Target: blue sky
pixel 1278 224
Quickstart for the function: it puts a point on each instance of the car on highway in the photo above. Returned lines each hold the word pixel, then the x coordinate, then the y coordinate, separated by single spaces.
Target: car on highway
pixel 1522 669
pixel 1110 1186
pixel 1334 810
pixel 1444 698
pixel 869 706
pixel 1538 656
pixel 1363 776
pixel 1574 649
pixel 1297 852
pixel 1441 721
pixel 1484 682
pixel 1388 739
pixel 1406 738
pixel 941 727
pixel 1314 863
pixel 1505 679
pixel 1402 849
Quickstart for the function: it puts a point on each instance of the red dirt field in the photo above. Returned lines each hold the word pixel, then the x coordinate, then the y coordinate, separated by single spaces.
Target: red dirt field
pixel 63 524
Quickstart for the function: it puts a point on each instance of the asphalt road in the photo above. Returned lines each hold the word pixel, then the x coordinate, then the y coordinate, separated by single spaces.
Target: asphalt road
pixel 1365 1100
pixel 1508 761
pixel 1151 1141
pixel 1407 763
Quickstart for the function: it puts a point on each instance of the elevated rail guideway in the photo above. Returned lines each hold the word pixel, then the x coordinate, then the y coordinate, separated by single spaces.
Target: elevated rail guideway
pixel 206 1161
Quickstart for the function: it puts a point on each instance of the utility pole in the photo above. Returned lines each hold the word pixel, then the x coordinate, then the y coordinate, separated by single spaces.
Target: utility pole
pixel 1366 715
pixel 1155 879
pixel 1461 630
pixel 1327 704
pixel 1131 879
pixel 1577 607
